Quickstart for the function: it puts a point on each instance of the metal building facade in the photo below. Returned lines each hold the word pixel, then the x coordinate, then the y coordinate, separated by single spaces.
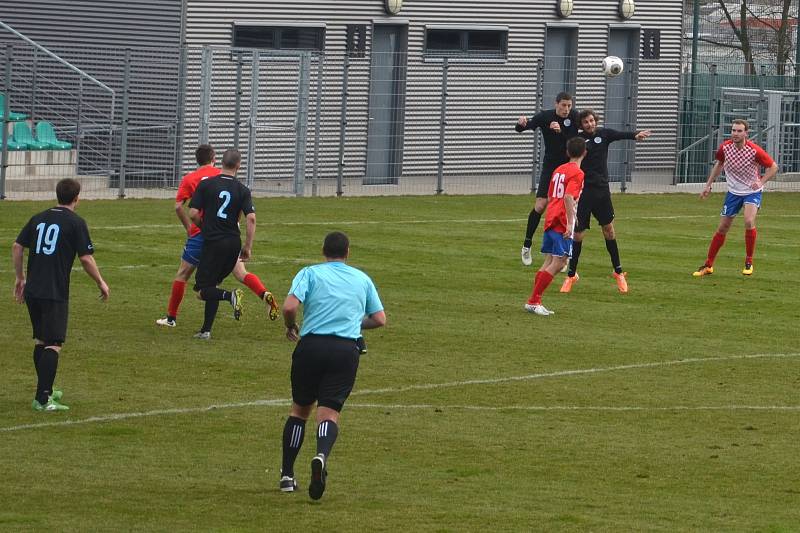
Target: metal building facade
pixel 485 98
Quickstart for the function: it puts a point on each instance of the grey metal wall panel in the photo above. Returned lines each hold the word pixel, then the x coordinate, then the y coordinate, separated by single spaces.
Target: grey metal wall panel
pixel 485 99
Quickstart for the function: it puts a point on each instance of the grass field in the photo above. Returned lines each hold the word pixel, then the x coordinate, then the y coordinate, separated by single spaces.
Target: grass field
pixel 675 407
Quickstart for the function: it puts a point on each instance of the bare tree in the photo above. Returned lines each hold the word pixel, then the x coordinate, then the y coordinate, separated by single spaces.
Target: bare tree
pixel 759 29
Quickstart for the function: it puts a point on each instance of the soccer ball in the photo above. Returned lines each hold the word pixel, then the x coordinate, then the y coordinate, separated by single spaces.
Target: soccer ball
pixel 612 66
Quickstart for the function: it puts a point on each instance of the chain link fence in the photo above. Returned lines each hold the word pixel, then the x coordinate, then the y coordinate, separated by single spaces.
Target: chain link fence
pixel 364 123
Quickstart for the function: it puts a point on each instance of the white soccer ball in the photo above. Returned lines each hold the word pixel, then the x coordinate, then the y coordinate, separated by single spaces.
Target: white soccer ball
pixel 612 66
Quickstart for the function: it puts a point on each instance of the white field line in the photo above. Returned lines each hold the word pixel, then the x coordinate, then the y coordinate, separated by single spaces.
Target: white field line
pixel 284 402
pixel 578 407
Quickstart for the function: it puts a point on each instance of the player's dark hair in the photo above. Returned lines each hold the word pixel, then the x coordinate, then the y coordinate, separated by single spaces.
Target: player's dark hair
pixel 204 154
pixel 231 158
pixel 563 96
pixel 576 146
pixel 587 112
pixel 67 190
pixel 742 122
pixel 335 245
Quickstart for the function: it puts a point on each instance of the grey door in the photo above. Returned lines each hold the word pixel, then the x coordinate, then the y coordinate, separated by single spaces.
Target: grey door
pixel 560 63
pixel 387 91
pixel 621 100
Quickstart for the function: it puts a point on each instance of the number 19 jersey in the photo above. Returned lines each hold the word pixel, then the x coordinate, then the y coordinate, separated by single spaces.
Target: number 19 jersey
pixel 567 179
pixel 53 238
pixel 221 199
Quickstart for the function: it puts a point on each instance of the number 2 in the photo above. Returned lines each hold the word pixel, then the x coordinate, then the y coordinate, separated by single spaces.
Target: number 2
pixel 48 234
pixel 226 197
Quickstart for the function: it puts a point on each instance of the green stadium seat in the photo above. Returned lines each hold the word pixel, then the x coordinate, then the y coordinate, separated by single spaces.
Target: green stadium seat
pixel 46 133
pixel 12 116
pixel 16 146
pixel 23 135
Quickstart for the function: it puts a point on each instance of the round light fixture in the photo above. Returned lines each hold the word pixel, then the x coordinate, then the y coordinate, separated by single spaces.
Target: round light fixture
pixel 393 7
pixel 626 8
pixel 564 8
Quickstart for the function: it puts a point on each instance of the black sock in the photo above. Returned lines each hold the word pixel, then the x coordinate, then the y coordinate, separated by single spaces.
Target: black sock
pixel 573 260
pixel 213 293
pixel 613 251
pixel 48 365
pixel 210 314
pixel 293 433
pixel 533 223
pixel 37 357
pixel 327 431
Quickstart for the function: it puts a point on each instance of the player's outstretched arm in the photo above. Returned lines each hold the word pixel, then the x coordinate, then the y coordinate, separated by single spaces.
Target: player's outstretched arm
pixel 250 233
pixel 17 251
pixel 90 266
pixel 642 135
pixel 290 308
pixel 375 320
pixel 716 170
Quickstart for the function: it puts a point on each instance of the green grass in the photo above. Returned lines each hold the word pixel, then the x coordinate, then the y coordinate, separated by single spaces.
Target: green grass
pixel 644 443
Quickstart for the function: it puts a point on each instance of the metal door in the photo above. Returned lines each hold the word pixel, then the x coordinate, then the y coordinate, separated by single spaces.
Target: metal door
pixel 387 91
pixel 560 63
pixel 621 100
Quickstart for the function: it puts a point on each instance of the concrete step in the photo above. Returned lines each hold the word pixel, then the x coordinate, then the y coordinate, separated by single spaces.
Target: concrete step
pixel 48 183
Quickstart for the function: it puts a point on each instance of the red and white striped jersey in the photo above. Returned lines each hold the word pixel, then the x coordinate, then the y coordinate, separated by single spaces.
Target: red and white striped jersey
pixel 742 165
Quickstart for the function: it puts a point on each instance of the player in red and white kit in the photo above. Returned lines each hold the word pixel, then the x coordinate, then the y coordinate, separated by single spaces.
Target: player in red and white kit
pixel 565 189
pixel 194 245
pixel 741 159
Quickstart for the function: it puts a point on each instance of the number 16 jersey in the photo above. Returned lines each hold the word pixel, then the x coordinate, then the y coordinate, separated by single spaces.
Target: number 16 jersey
pixel 53 238
pixel 221 199
pixel 567 179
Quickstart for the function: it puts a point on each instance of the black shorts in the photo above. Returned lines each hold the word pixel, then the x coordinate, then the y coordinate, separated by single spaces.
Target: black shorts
pixel 594 201
pixel 324 370
pixel 49 320
pixel 544 179
pixel 218 259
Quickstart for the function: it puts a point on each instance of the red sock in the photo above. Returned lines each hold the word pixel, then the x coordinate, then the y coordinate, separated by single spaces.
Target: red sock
pixel 749 244
pixel 716 243
pixel 175 297
pixel 540 283
pixel 254 284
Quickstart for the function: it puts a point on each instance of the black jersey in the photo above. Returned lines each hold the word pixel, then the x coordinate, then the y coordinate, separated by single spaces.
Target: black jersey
pixel 555 144
pixel 221 199
pixel 53 238
pixel 595 164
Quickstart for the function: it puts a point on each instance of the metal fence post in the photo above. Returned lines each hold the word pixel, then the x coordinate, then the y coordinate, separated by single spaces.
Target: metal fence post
pixel 237 110
pixel 342 125
pixel 126 93
pixel 34 74
pixel 253 120
pixel 6 122
pixel 181 104
pixel 301 125
pixel 539 103
pixel 630 119
pixel 78 112
pixel 205 93
pixel 760 109
pixel 317 125
pixel 712 113
pixel 442 125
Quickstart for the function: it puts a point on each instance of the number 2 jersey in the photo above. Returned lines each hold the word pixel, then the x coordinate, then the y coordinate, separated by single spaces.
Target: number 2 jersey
pixel 567 179
pixel 222 199
pixel 53 238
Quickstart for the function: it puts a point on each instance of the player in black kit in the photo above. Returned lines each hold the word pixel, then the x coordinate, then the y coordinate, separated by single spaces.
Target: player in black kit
pixel 53 238
pixel 596 197
pixel 557 125
pixel 215 208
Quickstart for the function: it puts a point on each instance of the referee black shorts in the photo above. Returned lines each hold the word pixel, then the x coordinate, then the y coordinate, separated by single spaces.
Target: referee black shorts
pixel 217 261
pixel 324 370
pixel 544 179
pixel 49 320
pixel 594 201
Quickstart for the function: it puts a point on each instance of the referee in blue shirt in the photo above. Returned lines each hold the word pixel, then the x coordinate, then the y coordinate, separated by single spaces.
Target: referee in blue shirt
pixel 338 302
